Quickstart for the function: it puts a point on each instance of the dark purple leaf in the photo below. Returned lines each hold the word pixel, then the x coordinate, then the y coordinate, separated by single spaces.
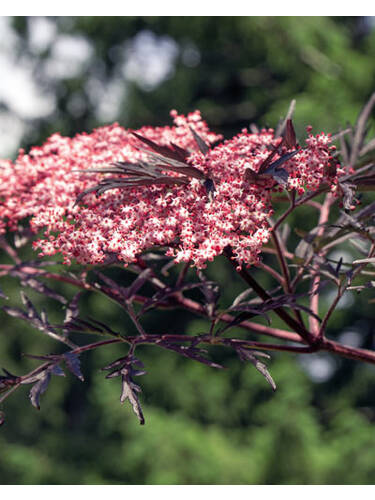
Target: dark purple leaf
pixel 182 153
pixel 289 135
pixel 104 327
pixel 264 165
pixel 121 362
pixel 146 173
pixel 162 296
pixel 124 362
pixel 249 355
pixel 129 391
pixel 2 418
pixel 203 147
pixel 187 171
pixel 56 370
pixel 39 388
pixel 191 353
pixel 281 127
pixel 268 169
pixel 80 326
pixel 279 174
pixel 124 367
pixel 251 308
pixel 169 152
pixel 31 316
pixel 73 364
pixel 243 316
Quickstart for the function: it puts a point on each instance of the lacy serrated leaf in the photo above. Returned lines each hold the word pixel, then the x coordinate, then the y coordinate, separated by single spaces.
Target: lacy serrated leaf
pixel 172 152
pixel 268 169
pixel 243 316
pixel 73 364
pixel 57 370
pixel 39 388
pixel 280 175
pixel 38 321
pixel 282 125
pixel 161 296
pixel 251 308
pixel 129 391
pixel 124 367
pixel 104 328
pixel 290 140
pixel 203 147
pixel 191 353
pixel 248 355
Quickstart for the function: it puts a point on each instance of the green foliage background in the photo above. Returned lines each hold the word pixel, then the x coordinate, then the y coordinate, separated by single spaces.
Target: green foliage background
pixel 202 426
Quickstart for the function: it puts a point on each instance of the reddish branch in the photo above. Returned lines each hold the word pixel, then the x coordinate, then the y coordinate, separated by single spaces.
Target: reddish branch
pixel 314 301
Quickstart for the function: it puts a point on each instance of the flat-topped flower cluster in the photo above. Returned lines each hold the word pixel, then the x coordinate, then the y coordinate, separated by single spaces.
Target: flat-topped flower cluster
pixel 187 221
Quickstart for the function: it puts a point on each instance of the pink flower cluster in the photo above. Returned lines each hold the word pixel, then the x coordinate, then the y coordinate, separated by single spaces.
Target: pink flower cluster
pixel 190 224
